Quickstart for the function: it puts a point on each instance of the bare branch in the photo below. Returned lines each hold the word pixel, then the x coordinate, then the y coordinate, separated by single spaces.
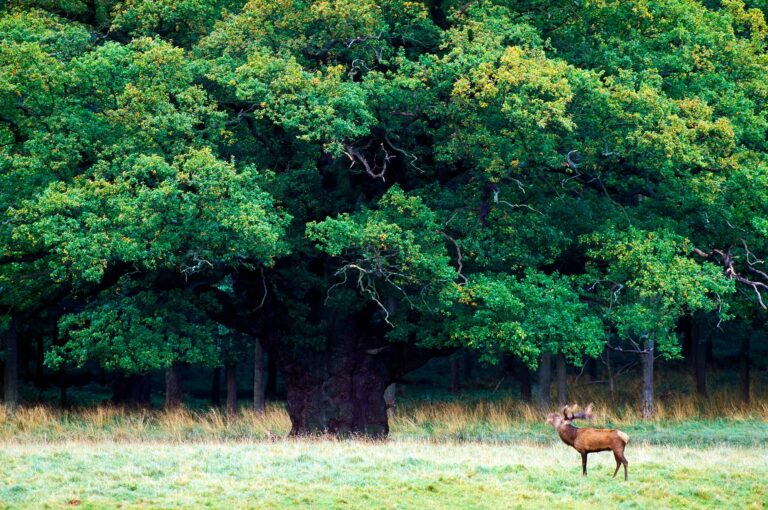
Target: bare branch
pixel 458 256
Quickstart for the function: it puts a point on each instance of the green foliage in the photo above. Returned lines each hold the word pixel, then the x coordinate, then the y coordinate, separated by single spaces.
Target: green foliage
pixel 518 177
pixel 650 281
pixel 525 316
pixel 191 215
pixel 139 332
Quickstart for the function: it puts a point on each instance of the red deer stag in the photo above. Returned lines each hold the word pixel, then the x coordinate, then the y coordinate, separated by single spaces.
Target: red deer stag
pixel 589 440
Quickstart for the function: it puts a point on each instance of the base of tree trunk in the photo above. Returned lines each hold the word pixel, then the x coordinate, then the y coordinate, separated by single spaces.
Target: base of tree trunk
pixel 231 376
pixel 647 407
pixel 340 390
pixel 258 377
pixel 173 397
pixel 11 372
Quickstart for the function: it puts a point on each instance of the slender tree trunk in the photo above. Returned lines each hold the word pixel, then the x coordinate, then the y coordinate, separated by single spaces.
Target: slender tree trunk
pixel 172 387
pixel 545 379
pixel 390 393
pixel 744 365
pixel 258 377
pixel 216 387
pixel 525 382
pixel 11 385
pixel 271 388
pixel 609 371
pixel 455 383
pixel 699 345
pixel 647 362
pixel 562 382
pixel 231 370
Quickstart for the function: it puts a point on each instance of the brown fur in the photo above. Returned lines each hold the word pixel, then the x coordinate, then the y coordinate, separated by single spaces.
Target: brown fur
pixel 589 440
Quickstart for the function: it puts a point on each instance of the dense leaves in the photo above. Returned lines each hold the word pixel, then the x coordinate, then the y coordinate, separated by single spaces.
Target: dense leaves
pixel 513 177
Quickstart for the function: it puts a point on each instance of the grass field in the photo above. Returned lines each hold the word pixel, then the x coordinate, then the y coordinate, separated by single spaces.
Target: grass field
pixel 356 474
pixel 473 452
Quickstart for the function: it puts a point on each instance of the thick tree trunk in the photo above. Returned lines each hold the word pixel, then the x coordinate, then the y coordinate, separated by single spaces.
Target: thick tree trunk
pixel 744 365
pixel 231 375
pixel 455 382
pixel 258 377
pixel 562 382
pixel 343 396
pixel 647 363
pixel 216 387
pixel 172 387
pixel 11 385
pixel 340 390
pixel 699 346
pixel 545 379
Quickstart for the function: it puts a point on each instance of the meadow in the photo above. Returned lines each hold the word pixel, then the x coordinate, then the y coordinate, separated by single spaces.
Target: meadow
pixel 460 453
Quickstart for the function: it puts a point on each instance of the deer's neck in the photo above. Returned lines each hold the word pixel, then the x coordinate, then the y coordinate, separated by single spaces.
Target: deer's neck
pixel 567 433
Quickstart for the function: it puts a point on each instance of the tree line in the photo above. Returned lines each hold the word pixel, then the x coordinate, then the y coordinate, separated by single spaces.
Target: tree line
pixel 355 187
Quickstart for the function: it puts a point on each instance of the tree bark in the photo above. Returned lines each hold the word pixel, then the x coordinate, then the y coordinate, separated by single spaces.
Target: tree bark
pixel 455 382
pixel 173 398
pixel 231 376
pixel 11 385
pixel 258 377
pixel 562 381
pixel 340 390
pixel 390 394
pixel 216 387
pixel 545 379
pixel 744 365
pixel 647 363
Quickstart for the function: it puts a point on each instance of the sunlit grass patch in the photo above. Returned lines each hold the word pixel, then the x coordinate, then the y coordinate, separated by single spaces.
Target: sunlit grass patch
pixel 322 473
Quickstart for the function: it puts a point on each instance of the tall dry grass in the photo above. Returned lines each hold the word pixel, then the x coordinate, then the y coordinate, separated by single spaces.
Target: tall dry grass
pixel 472 416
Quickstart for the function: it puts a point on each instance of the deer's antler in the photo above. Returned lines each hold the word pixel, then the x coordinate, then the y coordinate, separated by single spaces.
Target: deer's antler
pixel 570 414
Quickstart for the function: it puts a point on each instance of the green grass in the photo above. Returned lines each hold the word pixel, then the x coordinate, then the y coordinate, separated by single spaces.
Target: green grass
pixel 356 474
pixel 461 453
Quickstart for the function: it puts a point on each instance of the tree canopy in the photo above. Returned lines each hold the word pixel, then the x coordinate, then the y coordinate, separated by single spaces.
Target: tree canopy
pixel 340 178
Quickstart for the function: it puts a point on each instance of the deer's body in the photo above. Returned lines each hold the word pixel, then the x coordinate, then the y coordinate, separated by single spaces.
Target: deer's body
pixel 589 440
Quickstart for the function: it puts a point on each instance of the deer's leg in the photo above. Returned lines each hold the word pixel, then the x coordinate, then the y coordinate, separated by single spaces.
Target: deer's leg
pixel 584 464
pixel 620 460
